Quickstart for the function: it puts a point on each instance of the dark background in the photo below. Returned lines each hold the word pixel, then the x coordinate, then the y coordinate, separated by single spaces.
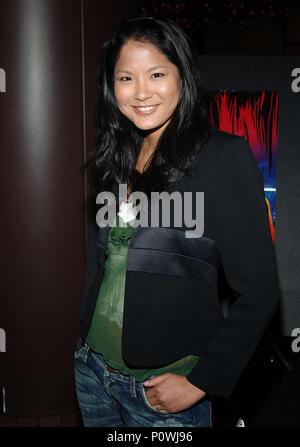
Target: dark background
pixel 49 49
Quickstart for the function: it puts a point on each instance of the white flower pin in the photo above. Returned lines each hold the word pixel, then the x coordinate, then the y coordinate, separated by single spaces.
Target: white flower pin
pixel 127 211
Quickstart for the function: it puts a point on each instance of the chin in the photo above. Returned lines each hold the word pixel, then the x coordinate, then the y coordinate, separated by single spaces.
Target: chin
pixel 146 127
pixel 149 125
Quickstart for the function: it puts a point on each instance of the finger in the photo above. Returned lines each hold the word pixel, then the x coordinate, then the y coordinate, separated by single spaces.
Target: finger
pixel 157 379
pixel 153 402
pixel 150 394
pixel 152 399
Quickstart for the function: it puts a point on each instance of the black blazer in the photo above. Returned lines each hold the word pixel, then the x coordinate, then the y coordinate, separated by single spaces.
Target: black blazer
pixel 173 284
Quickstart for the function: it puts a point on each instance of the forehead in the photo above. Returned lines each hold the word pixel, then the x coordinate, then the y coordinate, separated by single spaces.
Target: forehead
pixel 138 53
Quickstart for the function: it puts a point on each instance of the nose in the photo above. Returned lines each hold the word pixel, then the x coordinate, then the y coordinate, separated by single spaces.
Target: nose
pixel 143 91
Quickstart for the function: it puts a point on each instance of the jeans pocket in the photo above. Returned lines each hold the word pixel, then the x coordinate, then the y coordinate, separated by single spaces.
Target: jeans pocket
pixel 147 403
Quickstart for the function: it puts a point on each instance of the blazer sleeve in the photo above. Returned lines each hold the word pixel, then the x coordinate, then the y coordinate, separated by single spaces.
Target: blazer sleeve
pixel 249 262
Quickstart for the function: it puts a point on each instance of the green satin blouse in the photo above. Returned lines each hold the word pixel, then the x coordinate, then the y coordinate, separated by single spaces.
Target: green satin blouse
pixel 105 332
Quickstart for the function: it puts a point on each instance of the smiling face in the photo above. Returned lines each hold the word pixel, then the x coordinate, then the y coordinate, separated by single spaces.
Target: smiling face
pixel 145 77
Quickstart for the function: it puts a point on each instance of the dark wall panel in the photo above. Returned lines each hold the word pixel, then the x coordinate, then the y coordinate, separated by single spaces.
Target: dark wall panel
pixel 42 219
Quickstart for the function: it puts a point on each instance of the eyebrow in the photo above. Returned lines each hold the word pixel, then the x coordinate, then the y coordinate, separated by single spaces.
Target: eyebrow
pixel 150 69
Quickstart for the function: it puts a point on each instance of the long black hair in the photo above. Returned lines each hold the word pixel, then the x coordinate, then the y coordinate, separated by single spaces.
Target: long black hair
pixel 118 141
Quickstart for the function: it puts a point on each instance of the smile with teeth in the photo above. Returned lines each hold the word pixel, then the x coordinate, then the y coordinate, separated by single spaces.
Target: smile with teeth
pixel 146 110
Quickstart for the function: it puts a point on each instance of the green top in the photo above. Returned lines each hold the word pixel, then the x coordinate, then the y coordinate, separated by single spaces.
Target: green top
pixel 105 332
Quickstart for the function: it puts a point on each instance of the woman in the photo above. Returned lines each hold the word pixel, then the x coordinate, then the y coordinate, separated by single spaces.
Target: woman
pixel 151 296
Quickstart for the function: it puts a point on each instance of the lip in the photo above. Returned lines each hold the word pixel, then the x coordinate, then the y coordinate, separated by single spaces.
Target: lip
pixel 146 112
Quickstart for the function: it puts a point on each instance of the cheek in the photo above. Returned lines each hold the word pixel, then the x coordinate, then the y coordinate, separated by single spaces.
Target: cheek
pixel 121 95
pixel 170 91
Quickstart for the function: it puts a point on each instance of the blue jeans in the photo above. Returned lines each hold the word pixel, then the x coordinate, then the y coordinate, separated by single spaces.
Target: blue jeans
pixel 112 399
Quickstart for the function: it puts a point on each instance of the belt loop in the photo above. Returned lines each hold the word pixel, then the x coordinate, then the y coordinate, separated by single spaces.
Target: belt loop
pixel 85 349
pixel 132 386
